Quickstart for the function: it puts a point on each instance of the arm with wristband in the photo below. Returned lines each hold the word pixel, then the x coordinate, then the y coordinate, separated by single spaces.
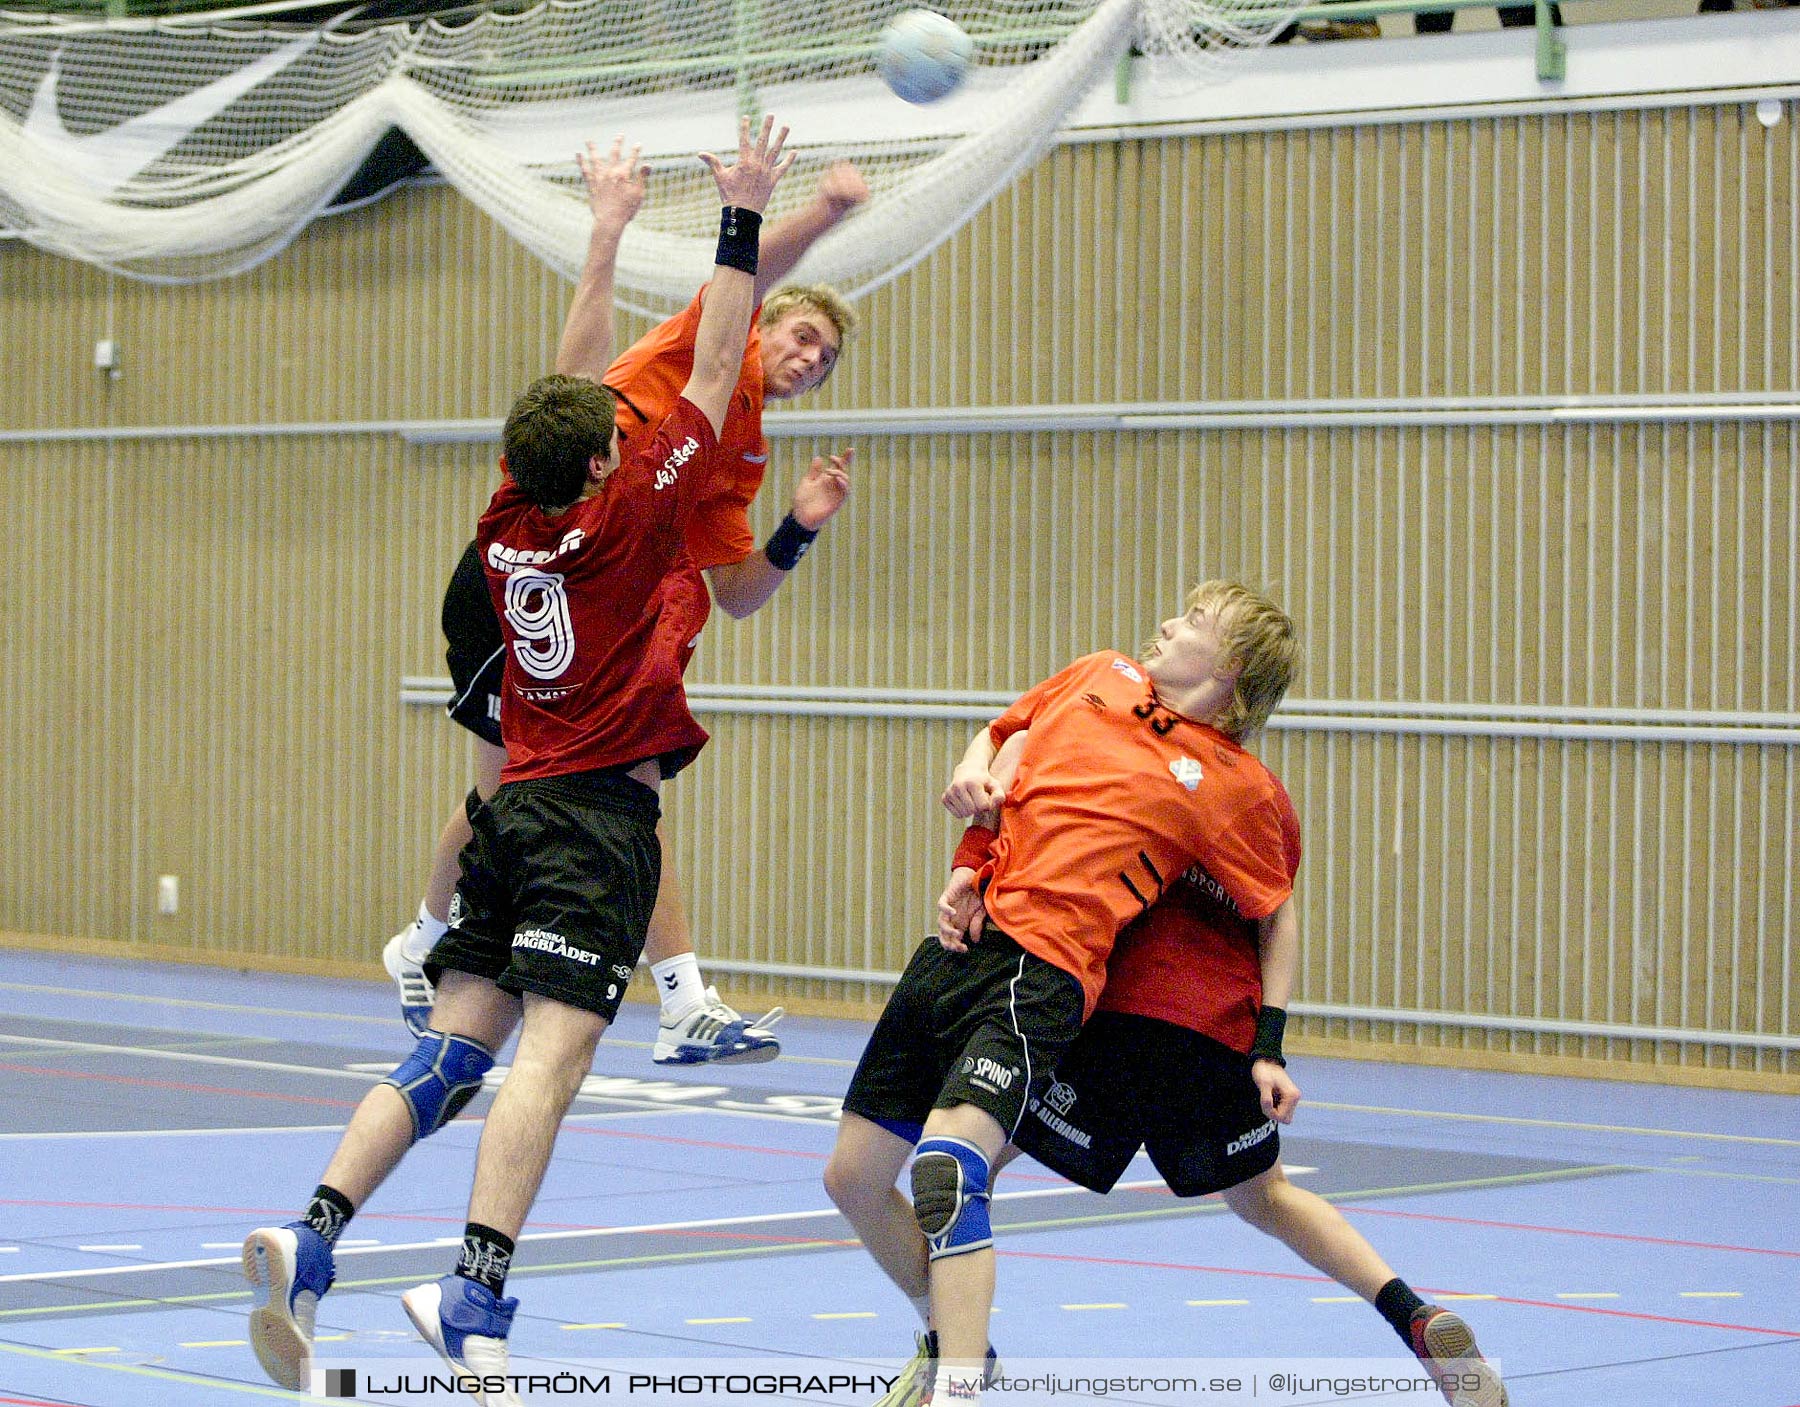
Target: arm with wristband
pixel 1278 941
pixel 742 588
pixel 744 190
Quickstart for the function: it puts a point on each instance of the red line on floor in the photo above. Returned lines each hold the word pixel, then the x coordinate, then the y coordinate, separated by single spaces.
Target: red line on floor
pixel 1652 1318
pixel 178 1085
pixel 1572 1231
pixel 749 1148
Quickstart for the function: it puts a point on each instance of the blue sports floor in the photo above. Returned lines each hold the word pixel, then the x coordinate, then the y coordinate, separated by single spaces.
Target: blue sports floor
pixel 1611 1243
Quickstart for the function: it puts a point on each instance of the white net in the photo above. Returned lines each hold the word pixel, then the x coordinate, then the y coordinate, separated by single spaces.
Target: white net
pixel 178 152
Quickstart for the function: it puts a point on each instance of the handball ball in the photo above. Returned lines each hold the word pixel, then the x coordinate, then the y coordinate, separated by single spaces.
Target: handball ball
pixel 922 56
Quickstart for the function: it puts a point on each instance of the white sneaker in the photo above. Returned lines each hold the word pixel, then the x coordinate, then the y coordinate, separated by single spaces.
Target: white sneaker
pixel 290 1269
pixel 416 991
pixel 467 1325
pixel 713 1034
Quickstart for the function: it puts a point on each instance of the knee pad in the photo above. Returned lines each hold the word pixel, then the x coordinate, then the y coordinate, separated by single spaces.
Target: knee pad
pixel 950 1196
pixel 442 1075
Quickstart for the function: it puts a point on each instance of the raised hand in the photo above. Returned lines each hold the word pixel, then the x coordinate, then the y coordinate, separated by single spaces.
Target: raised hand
pixel 822 491
pixel 759 167
pixel 841 189
pixel 615 183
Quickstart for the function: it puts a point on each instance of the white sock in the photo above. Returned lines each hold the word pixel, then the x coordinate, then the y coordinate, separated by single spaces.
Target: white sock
pixel 422 937
pixel 678 983
pixel 959 1384
pixel 922 1303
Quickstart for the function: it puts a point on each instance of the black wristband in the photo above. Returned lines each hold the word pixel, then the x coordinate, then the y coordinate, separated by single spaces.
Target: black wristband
pixel 1271 1021
pixel 738 230
pixel 788 544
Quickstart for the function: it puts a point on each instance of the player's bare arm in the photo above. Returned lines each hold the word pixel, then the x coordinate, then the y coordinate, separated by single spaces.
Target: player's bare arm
pixel 742 588
pixel 840 190
pixel 972 787
pixel 744 186
pixel 1278 945
pixel 615 189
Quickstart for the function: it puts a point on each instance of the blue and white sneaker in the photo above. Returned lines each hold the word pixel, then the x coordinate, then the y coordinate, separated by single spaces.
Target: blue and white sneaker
pixel 467 1325
pixel 416 993
pixel 713 1034
pixel 291 1268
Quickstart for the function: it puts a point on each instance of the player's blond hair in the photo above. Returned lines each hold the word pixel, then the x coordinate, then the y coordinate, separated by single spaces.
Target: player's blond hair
pixel 818 297
pixel 1261 639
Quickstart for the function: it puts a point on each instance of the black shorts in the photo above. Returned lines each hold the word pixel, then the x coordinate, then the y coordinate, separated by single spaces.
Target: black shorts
pixel 477 650
pixel 557 887
pixel 982 1027
pixel 1133 1081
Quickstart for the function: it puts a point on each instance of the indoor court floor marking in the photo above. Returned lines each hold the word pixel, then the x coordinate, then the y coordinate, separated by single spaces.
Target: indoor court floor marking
pixel 354 1018
pixel 1183 1209
pixel 1570 1124
pixel 1680 1244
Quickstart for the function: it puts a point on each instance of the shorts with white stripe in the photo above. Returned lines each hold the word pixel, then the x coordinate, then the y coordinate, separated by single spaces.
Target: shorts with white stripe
pixel 477 650
pixel 983 1027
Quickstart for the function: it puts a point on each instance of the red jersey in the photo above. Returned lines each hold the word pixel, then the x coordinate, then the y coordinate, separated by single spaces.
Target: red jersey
pixel 1194 959
pixel 1115 797
pixel 594 604
pixel 647 378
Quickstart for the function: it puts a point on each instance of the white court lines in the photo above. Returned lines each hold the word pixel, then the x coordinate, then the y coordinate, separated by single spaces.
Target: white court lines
pixel 196 1004
pixel 577 1234
pixel 1446 1115
pixel 368 1076
pixel 168 1133
pixel 644 1112
pixel 244 1008
pixel 236 1062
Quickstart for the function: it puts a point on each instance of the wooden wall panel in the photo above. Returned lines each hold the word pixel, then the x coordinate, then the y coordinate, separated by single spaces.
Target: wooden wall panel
pixel 206 633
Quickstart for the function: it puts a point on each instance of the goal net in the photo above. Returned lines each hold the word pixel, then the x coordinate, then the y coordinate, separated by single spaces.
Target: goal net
pixel 177 150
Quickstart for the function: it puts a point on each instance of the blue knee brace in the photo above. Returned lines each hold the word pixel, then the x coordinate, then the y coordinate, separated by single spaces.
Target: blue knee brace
pixel 950 1196
pixel 441 1076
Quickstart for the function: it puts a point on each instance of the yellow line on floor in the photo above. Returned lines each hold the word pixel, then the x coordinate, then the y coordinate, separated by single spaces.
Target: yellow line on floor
pixel 852 1314
pixel 59 1352
pixel 214 1384
pixel 217 1343
pixel 1337 1299
pixel 789 1247
pixel 1202 1304
pixel 1712 1294
pixel 728 1319
pixel 1096 1306
pixel 593 1326
pixel 1465 1297
pixel 1587 1294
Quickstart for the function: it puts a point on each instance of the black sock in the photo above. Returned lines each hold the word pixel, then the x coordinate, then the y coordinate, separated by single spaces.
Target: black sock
pixel 1396 1304
pixel 486 1257
pixel 328 1213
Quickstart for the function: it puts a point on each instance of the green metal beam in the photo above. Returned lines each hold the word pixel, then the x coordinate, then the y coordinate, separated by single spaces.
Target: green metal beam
pixel 1552 53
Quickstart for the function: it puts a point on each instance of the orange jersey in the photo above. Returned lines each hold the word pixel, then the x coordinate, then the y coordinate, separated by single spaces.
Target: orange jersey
pixel 1117 796
pixel 1194 959
pixel 648 377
